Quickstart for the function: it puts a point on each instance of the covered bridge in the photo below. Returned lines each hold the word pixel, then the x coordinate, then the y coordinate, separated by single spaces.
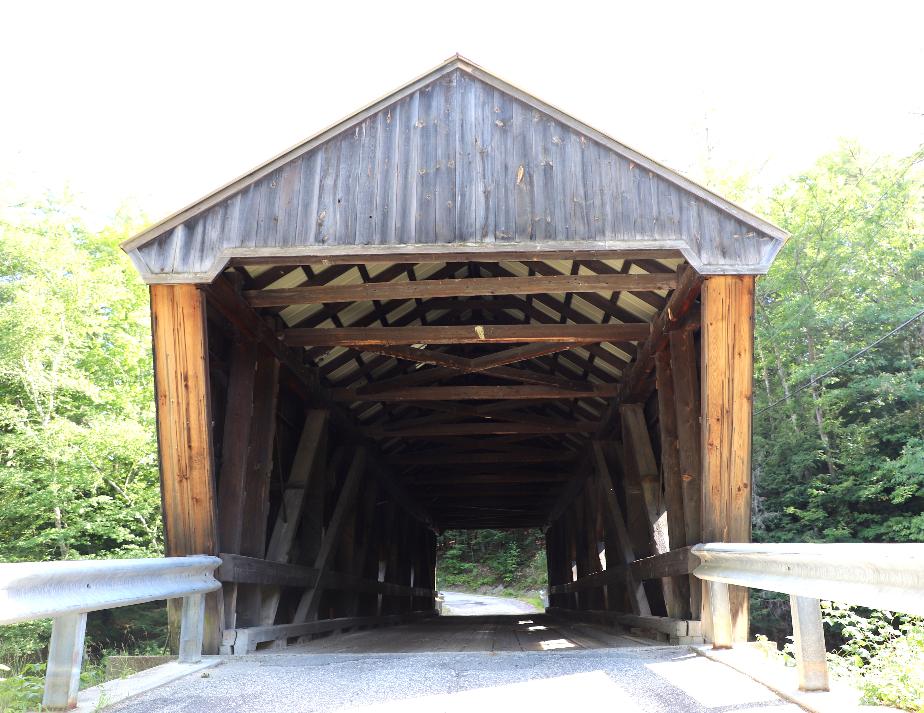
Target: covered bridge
pixel 458 308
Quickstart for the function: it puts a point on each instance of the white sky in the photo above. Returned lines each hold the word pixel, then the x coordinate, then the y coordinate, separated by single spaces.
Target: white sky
pixel 161 102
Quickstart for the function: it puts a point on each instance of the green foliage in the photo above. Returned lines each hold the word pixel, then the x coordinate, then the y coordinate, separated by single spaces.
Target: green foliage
pixel 21 691
pixel 881 654
pixel 482 559
pixel 843 461
pixel 78 461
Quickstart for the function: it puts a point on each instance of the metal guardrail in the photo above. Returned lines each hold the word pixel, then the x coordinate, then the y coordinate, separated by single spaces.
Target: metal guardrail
pixel 66 591
pixel 880 576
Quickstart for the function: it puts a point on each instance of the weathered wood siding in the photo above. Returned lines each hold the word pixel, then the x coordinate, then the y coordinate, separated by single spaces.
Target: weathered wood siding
pixel 457 161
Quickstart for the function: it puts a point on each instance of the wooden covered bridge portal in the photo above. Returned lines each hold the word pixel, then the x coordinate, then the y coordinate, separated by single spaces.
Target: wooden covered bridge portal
pixel 458 308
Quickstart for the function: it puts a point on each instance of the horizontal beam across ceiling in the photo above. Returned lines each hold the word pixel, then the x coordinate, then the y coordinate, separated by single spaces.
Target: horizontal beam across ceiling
pixel 474 393
pixel 467 334
pixel 464 287
pixel 478 429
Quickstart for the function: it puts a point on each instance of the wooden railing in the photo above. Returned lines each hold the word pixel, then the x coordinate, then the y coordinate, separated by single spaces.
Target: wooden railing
pixel 66 591
pixel 419 601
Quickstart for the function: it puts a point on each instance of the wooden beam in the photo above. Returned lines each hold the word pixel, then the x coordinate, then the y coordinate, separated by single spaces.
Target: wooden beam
pixel 477 429
pixel 503 477
pixel 727 388
pixel 308 604
pixel 448 365
pixel 625 553
pixel 235 445
pixel 464 393
pixel 516 455
pixel 223 297
pixel 636 382
pixel 467 334
pixel 687 397
pixel 244 641
pixel 670 472
pixel 478 286
pixel 642 470
pixel 306 466
pixel 257 481
pixel 181 383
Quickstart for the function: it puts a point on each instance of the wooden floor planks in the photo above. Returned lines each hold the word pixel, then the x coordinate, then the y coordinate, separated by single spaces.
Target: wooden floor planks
pixel 524 632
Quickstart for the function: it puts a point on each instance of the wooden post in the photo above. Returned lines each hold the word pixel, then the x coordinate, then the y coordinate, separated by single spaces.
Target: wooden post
pixel 181 382
pixel 307 467
pixel 257 480
pixel 642 470
pixel 687 400
pixel 727 376
pixel 235 445
pixel 308 604
pixel 670 471
pixel 623 554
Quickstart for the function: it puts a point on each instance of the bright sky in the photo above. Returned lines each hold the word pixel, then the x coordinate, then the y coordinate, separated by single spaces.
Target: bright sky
pixel 161 102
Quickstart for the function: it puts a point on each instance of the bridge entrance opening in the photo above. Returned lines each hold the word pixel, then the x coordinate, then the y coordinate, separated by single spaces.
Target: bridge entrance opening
pixel 363 417
pixel 491 572
pixel 459 309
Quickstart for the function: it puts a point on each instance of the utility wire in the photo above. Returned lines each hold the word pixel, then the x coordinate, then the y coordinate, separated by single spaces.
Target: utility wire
pixel 846 361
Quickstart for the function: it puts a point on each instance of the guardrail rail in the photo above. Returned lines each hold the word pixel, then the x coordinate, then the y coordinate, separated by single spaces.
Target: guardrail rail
pixel 880 576
pixel 67 591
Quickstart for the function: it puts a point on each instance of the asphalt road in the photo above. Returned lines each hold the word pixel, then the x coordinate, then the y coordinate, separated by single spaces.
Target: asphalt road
pixel 652 680
pixel 463 604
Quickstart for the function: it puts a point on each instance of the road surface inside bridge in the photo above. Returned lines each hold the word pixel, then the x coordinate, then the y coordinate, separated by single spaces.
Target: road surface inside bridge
pixel 456 664
pixel 465 604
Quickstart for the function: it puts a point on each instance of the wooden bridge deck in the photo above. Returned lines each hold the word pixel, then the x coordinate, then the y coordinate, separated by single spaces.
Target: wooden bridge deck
pixel 445 634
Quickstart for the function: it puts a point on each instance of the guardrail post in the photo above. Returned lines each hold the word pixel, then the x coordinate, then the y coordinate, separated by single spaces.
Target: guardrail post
pixel 809 639
pixel 65 656
pixel 720 607
pixel 191 628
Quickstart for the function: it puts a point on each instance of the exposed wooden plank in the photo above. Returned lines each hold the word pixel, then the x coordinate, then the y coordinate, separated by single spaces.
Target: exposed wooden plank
pixel 477 286
pixel 670 472
pixel 492 364
pixel 181 384
pixel 477 429
pixel 234 308
pixel 636 381
pixel 308 604
pixel 306 466
pixel 257 480
pixel 309 457
pixel 625 554
pixel 245 640
pixel 727 375
pixel 504 477
pixel 235 447
pixel 689 442
pixel 235 443
pixel 463 393
pixel 469 334
pixel 642 468
pixel 669 564
pixel 511 455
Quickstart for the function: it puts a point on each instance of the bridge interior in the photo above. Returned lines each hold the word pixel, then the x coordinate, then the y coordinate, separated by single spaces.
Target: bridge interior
pixel 458 308
pixel 360 408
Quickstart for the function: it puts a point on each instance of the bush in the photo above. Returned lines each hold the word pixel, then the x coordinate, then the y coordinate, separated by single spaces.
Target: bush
pixel 882 655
